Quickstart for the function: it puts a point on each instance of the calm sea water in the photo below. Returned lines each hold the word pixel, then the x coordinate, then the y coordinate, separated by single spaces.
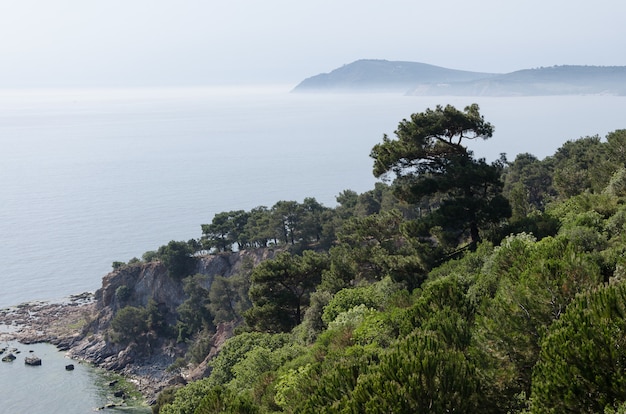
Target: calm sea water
pixel 50 389
pixel 88 177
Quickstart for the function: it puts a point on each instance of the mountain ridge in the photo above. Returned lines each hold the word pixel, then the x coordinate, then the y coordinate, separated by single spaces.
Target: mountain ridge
pixel 384 76
pixel 421 79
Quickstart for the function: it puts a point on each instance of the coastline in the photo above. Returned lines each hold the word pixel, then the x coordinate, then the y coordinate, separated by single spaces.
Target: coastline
pixel 62 324
pixel 80 324
pixel 58 323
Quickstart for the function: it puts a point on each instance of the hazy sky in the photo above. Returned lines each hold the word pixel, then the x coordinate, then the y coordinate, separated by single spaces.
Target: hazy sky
pixel 206 42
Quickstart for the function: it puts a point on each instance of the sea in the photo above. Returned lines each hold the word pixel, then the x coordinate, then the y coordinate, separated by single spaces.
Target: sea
pixel 93 176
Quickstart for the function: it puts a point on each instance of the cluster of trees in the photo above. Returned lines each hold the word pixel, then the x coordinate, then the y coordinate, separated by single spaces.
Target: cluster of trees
pixel 458 286
pixel 287 222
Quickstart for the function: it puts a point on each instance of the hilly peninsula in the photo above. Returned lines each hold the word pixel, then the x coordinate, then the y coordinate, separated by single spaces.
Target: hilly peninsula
pixel 420 79
pixel 385 76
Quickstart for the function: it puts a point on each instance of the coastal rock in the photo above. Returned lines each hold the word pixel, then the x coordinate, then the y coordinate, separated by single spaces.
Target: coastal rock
pixel 32 360
pixel 56 323
pixel 9 358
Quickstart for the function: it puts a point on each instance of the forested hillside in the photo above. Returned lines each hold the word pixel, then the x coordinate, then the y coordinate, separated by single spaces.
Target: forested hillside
pixel 455 285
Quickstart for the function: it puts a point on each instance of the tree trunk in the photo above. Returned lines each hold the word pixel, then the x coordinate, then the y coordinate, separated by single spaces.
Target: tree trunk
pixel 474 234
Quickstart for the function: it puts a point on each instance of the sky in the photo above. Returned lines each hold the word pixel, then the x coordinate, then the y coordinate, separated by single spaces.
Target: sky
pixel 101 43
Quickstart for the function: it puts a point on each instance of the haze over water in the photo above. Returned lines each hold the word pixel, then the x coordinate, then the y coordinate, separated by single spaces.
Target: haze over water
pixel 88 177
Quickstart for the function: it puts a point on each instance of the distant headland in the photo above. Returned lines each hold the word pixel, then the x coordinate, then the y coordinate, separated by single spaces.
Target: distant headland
pixel 414 78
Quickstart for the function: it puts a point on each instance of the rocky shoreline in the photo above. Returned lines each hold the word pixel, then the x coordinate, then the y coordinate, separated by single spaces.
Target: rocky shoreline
pixel 59 323
pixel 81 324
pixel 62 324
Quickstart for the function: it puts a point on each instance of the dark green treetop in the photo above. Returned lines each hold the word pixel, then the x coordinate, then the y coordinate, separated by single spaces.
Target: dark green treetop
pixel 429 161
pixel 428 139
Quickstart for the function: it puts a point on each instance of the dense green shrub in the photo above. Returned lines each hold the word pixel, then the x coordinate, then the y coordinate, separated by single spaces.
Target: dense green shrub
pixel 235 350
pixel 177 256
pixel 129 325
pixel 122 293
pixel 582 364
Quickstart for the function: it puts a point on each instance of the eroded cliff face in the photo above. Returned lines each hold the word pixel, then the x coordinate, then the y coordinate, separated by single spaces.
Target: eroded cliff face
pixel 137 284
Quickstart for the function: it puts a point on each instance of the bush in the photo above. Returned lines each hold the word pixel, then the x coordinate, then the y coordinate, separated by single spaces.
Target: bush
pixel 122 293
pixel 372 296
pixel 149 256
pixel 129 325
pixel 118 265
pixel 177 258
pixel 582 363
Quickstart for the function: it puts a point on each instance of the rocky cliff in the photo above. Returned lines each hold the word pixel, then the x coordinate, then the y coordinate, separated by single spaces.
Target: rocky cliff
pixel 136 285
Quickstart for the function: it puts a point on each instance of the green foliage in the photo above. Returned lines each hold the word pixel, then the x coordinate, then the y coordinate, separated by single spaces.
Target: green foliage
pixel 166 396
pixel 617 184
pixel 581 165
pixel 187 398
pixel 534 283
pixel 281 290
pixel 583 358
pixel 378 328
pixel 467 267
pixel 300 225
pixel 325 386
pixel 132 324
pixel 618 409
pixel 616 143
pixel 371 296
pixel 177 256
pixel 226 229
pixel 129 324
pixel 123 293
pixel 422 370
pixel 235 350
pixel 372 247
pixel 352 317
pixel 528 185
pixel 150 256
pixel 445 297
pixel 427 139
pixel 223 400
pixel 228 297
pixel 260 360
pixel 312 323
pixel 428 160
pixel 420 374
pixel 194 314
pixel 156 318
pixel 118 265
